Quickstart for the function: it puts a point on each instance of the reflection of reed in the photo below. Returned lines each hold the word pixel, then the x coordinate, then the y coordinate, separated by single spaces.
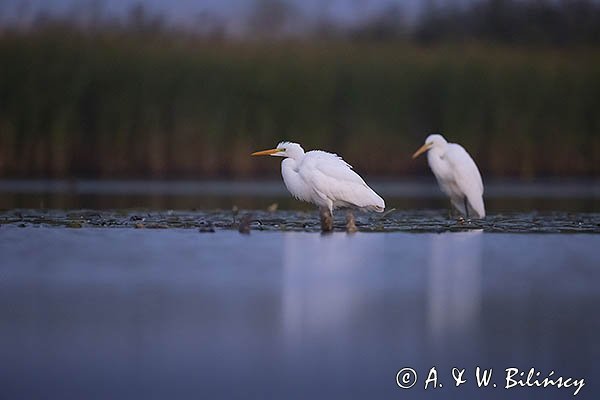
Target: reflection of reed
pixel 454 284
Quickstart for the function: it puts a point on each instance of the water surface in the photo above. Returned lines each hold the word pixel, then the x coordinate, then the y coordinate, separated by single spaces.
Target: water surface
pixel 178 313
pixel 135 289
pixel 500 195
pixel 275 220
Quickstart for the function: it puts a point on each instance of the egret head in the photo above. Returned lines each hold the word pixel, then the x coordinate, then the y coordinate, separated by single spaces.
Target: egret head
pixel 283 149
pixel 433 141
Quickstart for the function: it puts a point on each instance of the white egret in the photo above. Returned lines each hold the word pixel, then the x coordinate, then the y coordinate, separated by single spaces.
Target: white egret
pixel 326 180
pixel 456 174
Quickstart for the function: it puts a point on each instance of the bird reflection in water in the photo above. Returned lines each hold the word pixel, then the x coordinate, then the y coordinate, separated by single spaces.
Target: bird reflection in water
pixel 321 287
pixel 455 263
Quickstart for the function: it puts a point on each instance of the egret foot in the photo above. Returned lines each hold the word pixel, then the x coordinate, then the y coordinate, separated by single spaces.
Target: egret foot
pixel 326 220
pixel 350 223
pixel 245 222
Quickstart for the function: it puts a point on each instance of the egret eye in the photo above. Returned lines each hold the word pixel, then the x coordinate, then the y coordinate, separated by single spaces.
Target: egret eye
pixel 324 179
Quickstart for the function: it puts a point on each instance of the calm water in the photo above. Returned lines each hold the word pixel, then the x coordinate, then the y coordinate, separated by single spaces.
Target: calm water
pixel 175 313
pixel 141 290
pixel 500 196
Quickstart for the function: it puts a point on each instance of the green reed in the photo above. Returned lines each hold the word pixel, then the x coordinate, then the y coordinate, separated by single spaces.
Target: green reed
pixel 121 105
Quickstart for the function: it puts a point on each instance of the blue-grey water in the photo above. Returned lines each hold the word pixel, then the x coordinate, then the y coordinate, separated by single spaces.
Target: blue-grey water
pixel 142 290
pixel 97 312
pixel 500 196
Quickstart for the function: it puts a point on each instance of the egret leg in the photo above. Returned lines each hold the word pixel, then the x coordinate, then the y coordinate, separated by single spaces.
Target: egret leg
pixel 350 222
pixel 466 207
pixel 454 211
pixel 326 220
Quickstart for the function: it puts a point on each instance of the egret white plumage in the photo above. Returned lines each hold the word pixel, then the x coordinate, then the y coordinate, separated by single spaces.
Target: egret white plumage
pixel 456 174
pixel 326 180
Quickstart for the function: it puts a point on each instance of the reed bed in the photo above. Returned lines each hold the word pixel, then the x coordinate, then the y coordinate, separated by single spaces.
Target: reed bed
pixel 124 105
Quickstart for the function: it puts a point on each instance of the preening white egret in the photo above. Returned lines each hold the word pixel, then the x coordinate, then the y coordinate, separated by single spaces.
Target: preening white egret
pixel 326 180
pixel 456 173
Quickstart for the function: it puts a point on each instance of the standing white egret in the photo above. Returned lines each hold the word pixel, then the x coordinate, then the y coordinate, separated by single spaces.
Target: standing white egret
pixel 326 180
pixel 456 173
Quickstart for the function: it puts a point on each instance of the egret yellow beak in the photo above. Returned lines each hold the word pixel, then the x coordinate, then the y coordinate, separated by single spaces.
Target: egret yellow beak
pixel 266 152
pixel 422 150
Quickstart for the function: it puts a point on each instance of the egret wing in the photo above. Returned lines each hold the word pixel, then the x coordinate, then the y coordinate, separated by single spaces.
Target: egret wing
pixel 466 176
pixel 333 178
